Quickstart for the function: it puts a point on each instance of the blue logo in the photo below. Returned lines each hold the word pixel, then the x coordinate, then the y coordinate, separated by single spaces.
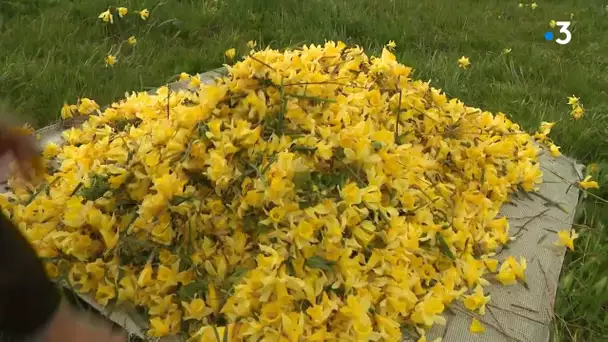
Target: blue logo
pixel 563 25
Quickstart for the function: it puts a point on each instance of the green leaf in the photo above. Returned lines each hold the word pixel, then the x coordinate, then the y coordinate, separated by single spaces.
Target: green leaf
pixel 177 200
pixel 302 148
pixel 238 274
pixel 202 130
pixel 318 262
pixel 188 292
pixel 217 334
pixel 302 180
pixel 99 186
pixel 444 248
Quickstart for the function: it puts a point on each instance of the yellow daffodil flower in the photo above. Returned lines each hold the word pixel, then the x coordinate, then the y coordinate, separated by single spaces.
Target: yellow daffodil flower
pixel 476 327
pixel 573 100
pixel 143 14
pixel 107 16
pixel 122 11
pixel 477 301
pixel 566 238
pixel 111 60
pixel 577 112
pixel 230 53
pixel 554 149
pixel 464 62
pixel 132 40
pixel 67 111
pixel 587 183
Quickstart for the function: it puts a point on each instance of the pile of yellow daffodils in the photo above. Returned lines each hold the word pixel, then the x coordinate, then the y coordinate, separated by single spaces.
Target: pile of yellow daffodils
pixel 315 194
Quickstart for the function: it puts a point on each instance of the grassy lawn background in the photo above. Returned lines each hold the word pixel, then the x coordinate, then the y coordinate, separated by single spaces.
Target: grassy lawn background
pixel 53 51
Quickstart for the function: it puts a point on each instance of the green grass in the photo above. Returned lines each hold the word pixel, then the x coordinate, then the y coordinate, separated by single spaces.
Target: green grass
pixel 53 51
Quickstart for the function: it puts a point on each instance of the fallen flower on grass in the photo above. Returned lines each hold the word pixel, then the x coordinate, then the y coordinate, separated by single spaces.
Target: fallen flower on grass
pixel 110 60
pixel 391 44
pixel 577 108
pixel 573 100
pixel 122 11
pixel 534 5
pixel 506 51
pixel 464 62
pixel 230 53
pixel 132 40
pixel 566 238
pixel 107 16
pixel 577 112
pixel 552 23
pixel 587 183
pixel 143 14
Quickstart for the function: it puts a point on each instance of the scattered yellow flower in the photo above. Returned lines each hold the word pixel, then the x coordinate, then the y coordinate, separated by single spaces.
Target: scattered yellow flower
pixel 196 309
pixel 545 127
pixel 132 40
pixel 67 111
pixel 391 44
pixel 252 44
pixel 476 327
pixel 566 238
pixel 577 112
pixel 573 100
pixel 554 149
pixel 520 5
pixel 477 301
pixel 122 11
pixel 111 60
pixel 534 5
pixel 511 270
pixel 144 14
pixel 230 53
pixel 159 327
pixel 506 51
pixel 107 16
pixel 552 23
pixel 587 183
pixel 464 62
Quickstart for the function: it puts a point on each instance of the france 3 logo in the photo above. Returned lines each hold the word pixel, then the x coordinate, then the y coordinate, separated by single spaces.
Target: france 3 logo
pixel 563 25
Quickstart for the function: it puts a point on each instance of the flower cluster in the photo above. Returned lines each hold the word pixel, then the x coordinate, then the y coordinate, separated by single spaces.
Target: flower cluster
pixel 107 16
pixel 315 193
pixel 577 108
